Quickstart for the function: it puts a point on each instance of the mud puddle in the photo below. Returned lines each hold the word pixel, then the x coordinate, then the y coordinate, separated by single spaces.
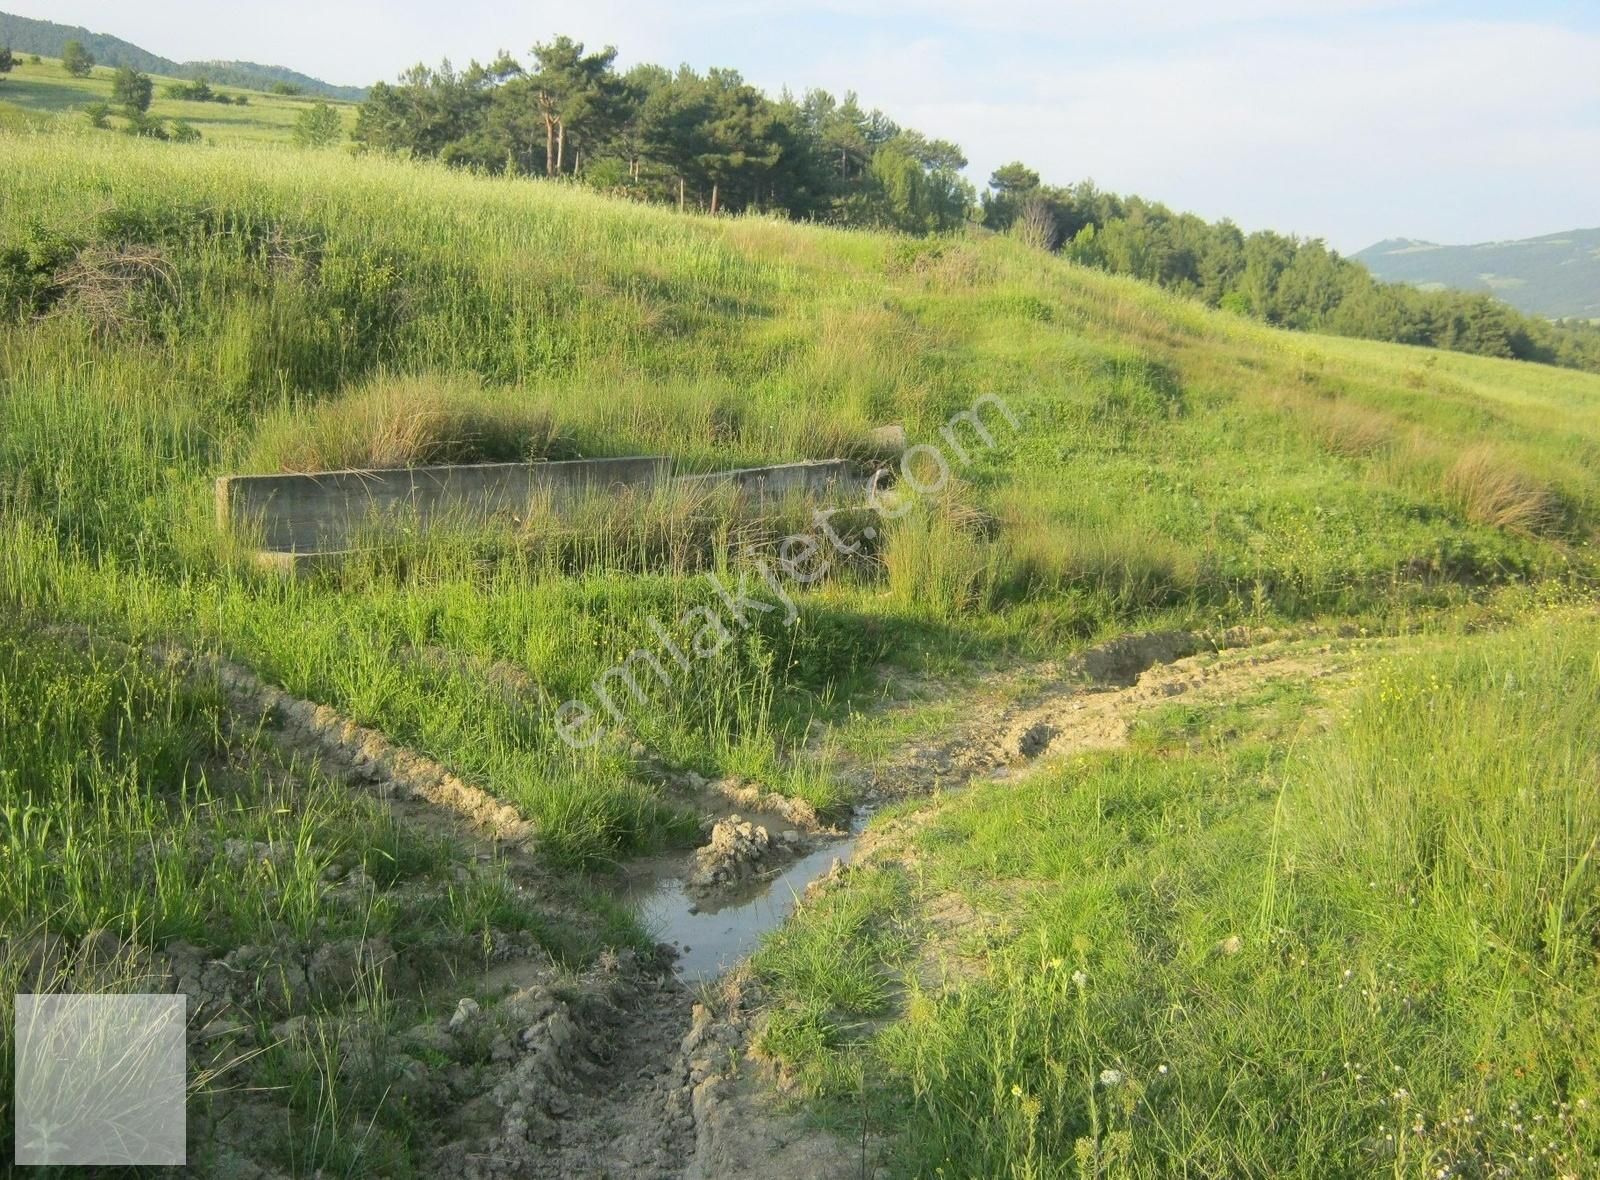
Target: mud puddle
pixel 713 934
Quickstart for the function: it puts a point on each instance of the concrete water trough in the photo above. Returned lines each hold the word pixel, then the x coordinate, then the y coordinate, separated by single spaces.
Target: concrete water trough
pixel 304 521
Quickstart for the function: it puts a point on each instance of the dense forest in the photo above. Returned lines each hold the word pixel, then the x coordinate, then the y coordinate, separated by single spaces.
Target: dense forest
pixel 716 143
pixel 711 141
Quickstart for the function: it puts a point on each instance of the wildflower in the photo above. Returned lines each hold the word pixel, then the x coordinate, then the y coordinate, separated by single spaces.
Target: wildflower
pixel 1111 1077
pixel 1080 978
pixel 1016 1090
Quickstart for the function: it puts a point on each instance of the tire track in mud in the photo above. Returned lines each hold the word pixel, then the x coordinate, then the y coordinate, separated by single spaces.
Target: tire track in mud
pixel 1091 701
pixel 676 1105
pixel 1086 702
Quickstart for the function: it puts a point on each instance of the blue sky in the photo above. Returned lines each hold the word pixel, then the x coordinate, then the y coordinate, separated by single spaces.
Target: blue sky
pixel 1351 120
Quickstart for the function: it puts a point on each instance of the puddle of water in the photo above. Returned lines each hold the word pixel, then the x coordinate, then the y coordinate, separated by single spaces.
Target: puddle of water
pixel 713 934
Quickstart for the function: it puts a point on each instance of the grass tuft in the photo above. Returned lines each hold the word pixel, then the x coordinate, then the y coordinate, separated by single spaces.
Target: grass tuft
pixel 1491 490
pixel 406 421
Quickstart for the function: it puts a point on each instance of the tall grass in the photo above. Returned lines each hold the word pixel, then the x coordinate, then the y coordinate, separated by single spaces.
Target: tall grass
pixel 1469 786
pixel 409 421
pixel 1165 969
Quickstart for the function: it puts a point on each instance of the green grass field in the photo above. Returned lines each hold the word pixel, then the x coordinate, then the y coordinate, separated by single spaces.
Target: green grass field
pixel 1241 947
pixel 172 313
pixel 44 95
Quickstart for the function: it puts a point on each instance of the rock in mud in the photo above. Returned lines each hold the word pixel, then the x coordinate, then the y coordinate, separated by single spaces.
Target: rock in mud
pixel 737 849
pixel 242 853
pixel 335 967
pixel 1035 739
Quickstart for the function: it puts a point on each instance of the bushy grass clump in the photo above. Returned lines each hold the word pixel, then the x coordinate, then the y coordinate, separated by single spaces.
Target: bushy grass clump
pixel 404 421
pixel 1492 491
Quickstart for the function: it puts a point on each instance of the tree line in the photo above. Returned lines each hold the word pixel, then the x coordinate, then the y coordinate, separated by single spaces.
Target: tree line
pixel 713 142
pixel 1286 281
pixel 709 141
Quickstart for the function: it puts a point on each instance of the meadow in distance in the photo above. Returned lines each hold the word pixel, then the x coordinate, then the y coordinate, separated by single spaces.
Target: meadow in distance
pixel 1222 729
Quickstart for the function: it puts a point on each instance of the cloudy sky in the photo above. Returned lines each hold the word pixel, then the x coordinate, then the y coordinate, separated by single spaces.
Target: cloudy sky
pixel 1351 120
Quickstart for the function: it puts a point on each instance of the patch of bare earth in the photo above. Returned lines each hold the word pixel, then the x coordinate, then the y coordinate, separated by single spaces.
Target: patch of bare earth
pixel 1090 702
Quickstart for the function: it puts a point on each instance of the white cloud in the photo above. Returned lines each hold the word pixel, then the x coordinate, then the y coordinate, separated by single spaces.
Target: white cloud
pixel 1452 131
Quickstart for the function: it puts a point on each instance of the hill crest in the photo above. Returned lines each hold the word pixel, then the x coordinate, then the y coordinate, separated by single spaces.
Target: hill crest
pixel 28 35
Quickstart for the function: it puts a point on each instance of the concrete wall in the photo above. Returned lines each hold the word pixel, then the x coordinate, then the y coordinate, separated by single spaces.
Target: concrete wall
pixel 321 514
pixel 327 511
pixel 818 477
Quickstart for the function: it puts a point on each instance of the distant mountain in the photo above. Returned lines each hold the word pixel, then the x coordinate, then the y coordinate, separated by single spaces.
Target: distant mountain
pixel 1557 275
pixel 255 76
pixel 25 35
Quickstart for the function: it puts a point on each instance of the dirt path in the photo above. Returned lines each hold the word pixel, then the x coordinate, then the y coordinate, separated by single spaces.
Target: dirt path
pixel 627 1072
pixel 692 1105
pixel 1092 701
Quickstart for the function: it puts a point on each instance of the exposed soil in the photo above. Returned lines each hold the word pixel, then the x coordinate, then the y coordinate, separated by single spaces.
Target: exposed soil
pixel 1090 703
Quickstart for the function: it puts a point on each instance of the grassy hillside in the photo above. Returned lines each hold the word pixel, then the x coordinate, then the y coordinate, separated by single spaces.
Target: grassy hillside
pixel 173 308
pixel 1338 922
pixel 45 96
pixel 1557 275
pixel 173 313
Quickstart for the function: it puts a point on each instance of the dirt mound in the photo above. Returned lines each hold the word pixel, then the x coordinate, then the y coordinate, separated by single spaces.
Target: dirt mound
pixel 344 750
pixel 1121 660
pixel 738 850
